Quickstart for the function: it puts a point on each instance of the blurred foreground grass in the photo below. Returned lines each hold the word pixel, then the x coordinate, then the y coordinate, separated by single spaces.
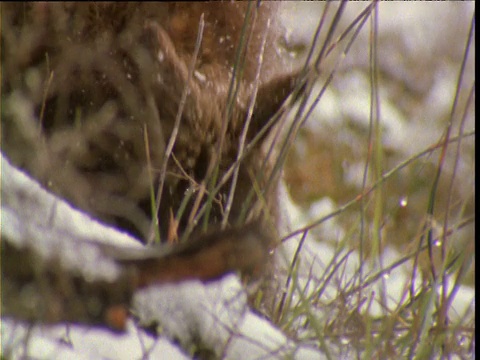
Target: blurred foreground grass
pixel 391 147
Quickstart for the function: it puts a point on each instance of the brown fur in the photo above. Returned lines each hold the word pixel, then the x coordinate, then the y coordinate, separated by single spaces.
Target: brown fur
pixel 112 78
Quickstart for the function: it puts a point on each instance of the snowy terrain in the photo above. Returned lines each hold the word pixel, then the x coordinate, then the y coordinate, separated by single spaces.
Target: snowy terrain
pixel 216 315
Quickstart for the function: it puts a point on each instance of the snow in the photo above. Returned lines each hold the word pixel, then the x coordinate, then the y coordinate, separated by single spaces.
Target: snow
pixel 34 218
pixel 218 314
pixel 190 310
pixel 215 315
pixel 82 342
pixel 263 342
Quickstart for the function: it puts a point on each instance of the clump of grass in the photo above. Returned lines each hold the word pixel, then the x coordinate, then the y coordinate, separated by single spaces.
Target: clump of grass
pixel 100 111
pixel 335 309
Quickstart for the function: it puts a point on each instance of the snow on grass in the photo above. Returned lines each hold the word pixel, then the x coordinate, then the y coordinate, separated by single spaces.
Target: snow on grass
pixel 213 315
pixel 319 249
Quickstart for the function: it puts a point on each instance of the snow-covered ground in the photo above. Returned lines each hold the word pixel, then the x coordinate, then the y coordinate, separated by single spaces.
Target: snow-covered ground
pixel 216 314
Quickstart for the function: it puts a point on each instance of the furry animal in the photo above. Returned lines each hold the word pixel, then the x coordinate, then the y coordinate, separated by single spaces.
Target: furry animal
pixel 147 113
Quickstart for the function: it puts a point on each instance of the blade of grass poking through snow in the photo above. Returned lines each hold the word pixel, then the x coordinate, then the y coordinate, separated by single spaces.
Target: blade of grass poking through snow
pixel 234 87
pixel 281 304
pixel 289 311
pixel 377 143
pixel 152 189
pixel 243 135
pixel 443 318
pixel 363 205
pixel 178 117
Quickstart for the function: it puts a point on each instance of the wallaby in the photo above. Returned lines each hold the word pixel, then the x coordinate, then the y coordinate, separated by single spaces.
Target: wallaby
pixel 148 108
